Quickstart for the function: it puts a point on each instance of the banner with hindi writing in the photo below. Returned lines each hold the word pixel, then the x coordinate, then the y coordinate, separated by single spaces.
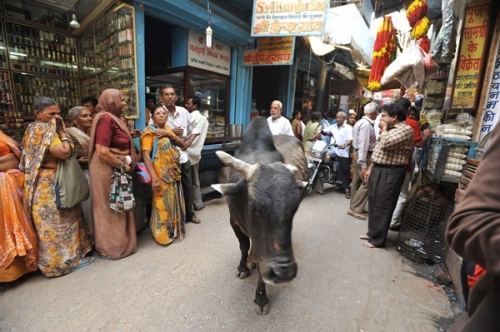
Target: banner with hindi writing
pixel 289 17
pixel 271 51
pixel 492 107
pixel 471 55
pixel 216 59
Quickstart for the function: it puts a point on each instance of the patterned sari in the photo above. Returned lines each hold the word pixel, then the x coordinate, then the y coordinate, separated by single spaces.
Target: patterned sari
pixel 18 247
pixel 62 241
pixel 168 215
pixel 82 143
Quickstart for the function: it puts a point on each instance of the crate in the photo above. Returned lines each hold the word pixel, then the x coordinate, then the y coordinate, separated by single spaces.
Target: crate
pixel 439 151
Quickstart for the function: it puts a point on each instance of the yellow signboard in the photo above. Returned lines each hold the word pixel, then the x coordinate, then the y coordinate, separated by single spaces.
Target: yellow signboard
pixel 289 17
pixel 471 53
pixel 271 51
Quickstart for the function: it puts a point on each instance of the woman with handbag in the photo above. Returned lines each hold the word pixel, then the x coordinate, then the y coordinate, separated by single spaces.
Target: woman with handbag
pixel 111 150
pixel 18 247
pixel 162 160
pixel 62 241
pixel 81 119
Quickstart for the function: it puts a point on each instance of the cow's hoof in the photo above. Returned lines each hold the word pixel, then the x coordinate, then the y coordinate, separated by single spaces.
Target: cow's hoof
pixel 262 310
pixel 242 274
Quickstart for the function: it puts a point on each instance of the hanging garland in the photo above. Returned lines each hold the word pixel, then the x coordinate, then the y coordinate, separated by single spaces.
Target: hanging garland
pixel 420 29
pixel 383 52
pixel 416 11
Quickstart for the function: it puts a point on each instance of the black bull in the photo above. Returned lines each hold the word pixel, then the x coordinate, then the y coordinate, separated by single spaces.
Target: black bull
pixel 263 195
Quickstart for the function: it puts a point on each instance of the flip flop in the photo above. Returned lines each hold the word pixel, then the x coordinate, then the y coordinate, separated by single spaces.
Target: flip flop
pixel 84 262
pixel 196 220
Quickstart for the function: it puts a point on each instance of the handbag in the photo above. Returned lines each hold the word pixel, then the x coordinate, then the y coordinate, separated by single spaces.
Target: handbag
pixel 140 167
pixel 71 187
pixel 121 198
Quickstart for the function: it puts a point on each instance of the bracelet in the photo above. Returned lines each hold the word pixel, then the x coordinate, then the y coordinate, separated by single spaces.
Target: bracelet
pixel 65 139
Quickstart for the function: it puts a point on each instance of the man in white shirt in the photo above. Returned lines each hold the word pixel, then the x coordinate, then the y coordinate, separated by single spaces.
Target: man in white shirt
pixel 198 128
pixel 341 134
pixel 178 120
pixel 279 125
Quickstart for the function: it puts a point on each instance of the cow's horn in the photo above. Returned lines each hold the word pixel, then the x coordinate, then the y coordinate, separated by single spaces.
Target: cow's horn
pixel 226 188
pixel 246 170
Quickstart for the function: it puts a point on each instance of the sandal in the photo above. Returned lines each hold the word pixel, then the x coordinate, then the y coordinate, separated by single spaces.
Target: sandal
pixel 84 262
pixel 196 220
pixel 347 194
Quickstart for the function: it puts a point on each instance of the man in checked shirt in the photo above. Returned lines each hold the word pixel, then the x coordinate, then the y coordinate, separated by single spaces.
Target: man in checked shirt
pixel 386 174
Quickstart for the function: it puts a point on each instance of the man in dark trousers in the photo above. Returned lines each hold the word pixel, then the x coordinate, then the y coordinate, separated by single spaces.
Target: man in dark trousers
pixel 387 172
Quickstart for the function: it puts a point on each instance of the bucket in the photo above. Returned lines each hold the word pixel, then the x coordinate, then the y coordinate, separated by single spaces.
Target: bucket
pixel 235 130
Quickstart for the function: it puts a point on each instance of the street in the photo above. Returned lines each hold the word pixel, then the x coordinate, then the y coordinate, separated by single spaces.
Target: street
pixel 191 285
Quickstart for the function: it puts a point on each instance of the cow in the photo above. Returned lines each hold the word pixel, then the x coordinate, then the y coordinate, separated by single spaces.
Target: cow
pixel 263 196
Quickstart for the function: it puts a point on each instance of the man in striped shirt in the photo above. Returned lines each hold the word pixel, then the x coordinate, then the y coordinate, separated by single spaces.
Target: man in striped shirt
pixel 386 174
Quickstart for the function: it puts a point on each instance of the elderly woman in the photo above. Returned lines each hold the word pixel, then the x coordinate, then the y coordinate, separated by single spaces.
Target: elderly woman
pixel 81 119
pixel 162 160
pixel 62 241
pixel 313 128
pixel 111 147
pixel 18 247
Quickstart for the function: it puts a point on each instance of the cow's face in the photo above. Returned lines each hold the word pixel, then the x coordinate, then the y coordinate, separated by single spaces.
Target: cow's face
pixel 273 199
pixel 266 204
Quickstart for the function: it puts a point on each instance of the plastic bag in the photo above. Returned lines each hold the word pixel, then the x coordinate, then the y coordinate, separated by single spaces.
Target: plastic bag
pixel 408 67
pixel 442 50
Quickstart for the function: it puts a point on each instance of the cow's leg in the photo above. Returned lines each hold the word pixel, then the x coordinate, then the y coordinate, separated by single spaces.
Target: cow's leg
pixel 261 300
pixel 243 271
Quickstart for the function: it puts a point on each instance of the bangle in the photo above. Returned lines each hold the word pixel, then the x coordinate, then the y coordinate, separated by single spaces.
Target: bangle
pixel 65 139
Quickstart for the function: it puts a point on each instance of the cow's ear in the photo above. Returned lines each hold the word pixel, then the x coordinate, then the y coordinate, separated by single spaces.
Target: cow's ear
pixel 226 188
pixel 293 169
pixel 301 184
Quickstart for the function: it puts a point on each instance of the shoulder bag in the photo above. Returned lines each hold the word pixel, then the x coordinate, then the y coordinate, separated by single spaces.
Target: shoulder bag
pixel 121 198
pixel 71 187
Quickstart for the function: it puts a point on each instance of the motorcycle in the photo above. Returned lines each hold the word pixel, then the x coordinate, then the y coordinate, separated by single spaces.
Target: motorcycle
pixel 322 168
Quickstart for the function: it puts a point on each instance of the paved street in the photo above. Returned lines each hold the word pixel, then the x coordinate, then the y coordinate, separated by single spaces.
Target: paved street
pixel 190 285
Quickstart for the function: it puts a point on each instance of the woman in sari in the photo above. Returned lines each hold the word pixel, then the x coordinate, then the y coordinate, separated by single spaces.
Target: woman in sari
pixel 111 147
pixel 62 241
pixel 18 247
pixel 168 213
pixel 81 119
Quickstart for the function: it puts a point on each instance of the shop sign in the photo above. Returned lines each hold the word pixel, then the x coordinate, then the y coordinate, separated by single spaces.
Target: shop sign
pixel 492 108
pixel 289 17
pixel 216 59
pixel 271 51
pixel 471 54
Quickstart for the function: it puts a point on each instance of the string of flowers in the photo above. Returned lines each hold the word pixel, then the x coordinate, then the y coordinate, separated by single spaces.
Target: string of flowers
pixel 415 13
pixel 384 51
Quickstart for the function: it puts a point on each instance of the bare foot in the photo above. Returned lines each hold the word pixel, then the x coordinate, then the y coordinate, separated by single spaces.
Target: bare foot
pixel 364 237
pixel 368 245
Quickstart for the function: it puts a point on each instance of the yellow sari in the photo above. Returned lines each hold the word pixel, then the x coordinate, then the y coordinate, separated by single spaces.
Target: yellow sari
pixel 62 241
pixel 168 215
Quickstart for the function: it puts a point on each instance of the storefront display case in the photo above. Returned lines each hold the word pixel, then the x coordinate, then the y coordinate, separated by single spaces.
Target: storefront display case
pixel 109 57
pixel 211 88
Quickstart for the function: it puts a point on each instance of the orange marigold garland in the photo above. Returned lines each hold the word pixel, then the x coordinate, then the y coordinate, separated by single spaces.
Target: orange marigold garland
pixel 416 11
pixel 420 29
pixel 383 52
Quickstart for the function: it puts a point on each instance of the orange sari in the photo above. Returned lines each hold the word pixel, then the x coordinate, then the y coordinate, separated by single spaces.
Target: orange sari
pixel 18 245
